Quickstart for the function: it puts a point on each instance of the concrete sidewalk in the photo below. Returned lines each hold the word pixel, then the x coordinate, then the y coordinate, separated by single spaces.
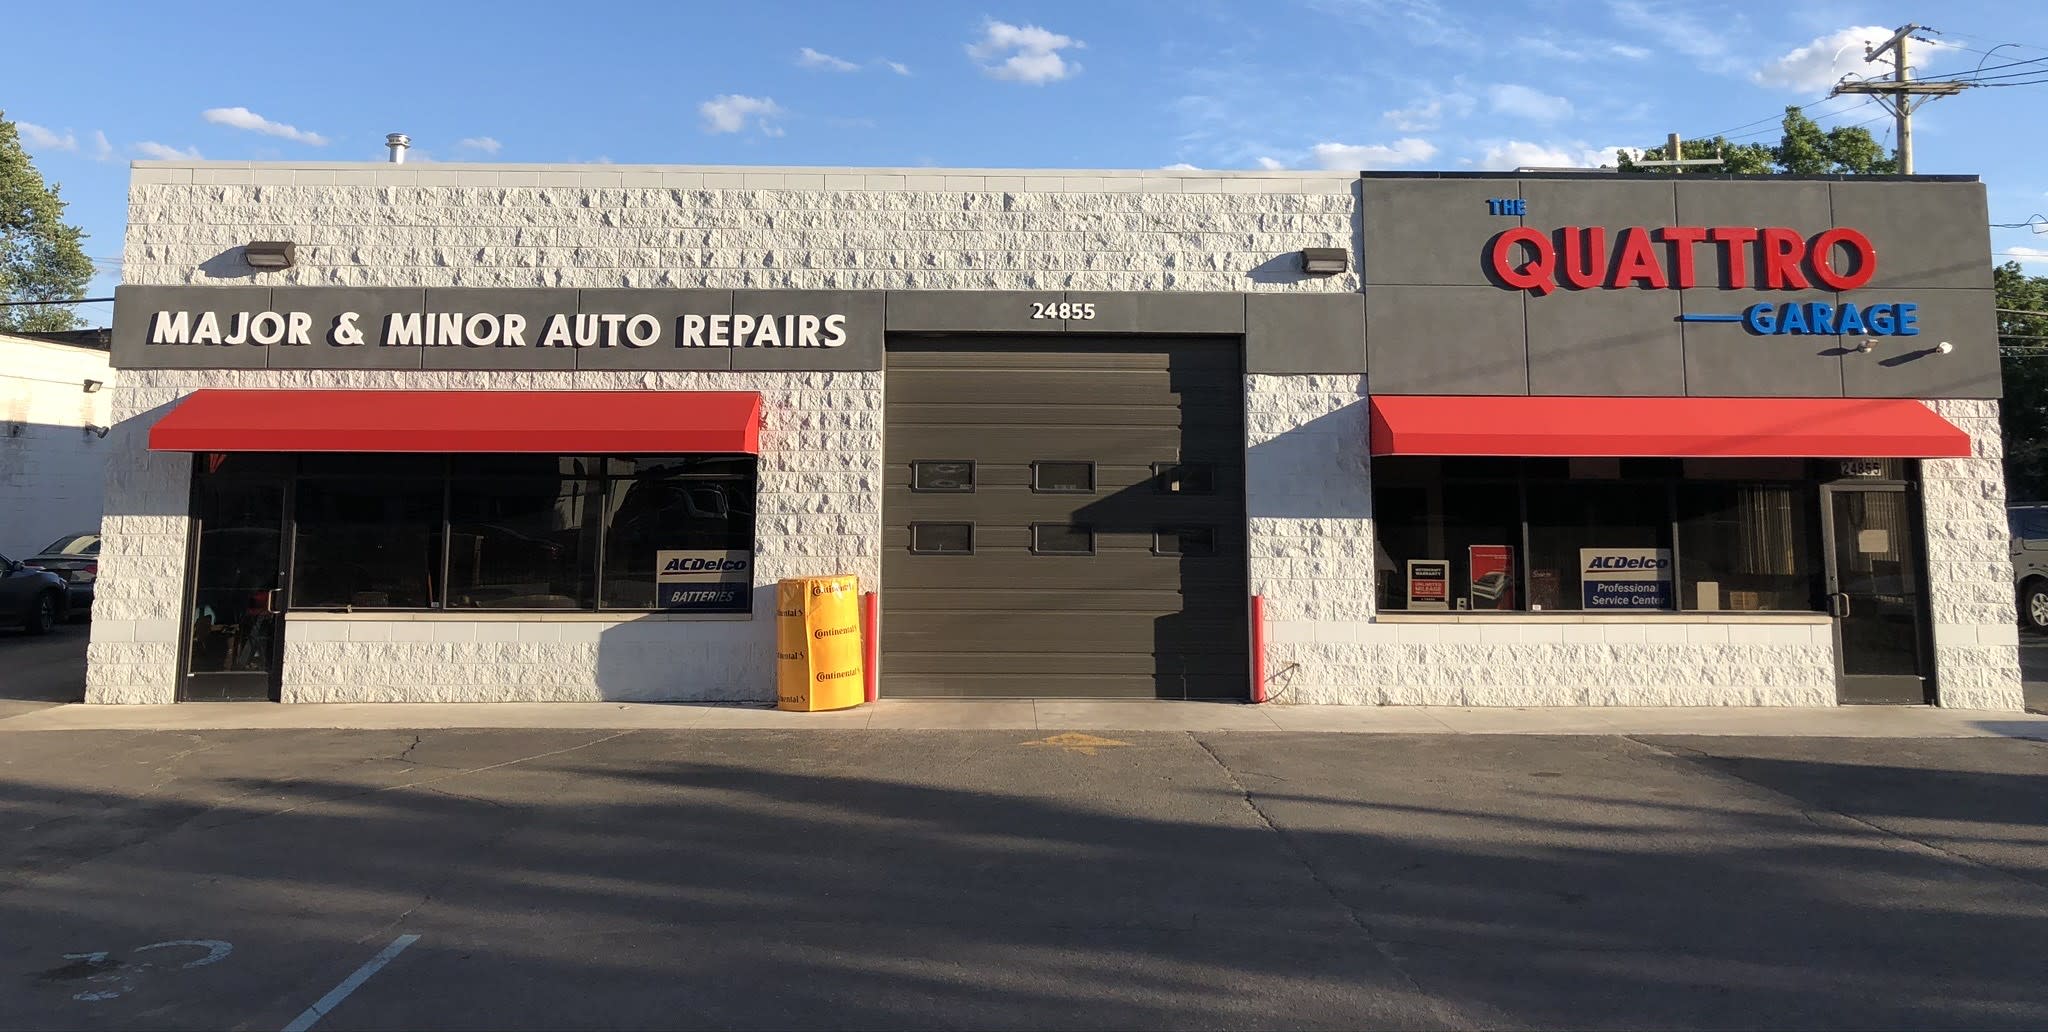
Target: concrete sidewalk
pixel 1055 715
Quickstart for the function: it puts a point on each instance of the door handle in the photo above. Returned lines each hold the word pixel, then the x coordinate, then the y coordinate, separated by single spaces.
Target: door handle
pixel 1838 604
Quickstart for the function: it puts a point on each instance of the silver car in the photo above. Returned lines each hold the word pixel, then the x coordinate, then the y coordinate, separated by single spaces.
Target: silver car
pixel 2028 527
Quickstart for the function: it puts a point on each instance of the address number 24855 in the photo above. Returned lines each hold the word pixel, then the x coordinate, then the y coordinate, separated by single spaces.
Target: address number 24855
pixel 1062 310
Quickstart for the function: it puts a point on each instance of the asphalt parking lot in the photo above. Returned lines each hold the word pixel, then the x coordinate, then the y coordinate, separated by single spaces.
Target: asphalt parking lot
pixel 765 879
pixel 40 671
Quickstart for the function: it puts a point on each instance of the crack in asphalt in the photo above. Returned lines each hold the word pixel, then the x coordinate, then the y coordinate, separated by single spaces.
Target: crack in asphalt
pixel 1445 1013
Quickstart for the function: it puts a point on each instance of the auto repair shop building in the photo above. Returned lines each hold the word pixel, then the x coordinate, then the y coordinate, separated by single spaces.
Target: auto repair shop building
pixel 495 432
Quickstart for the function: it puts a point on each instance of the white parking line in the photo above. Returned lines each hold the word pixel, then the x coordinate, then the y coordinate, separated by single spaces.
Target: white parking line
pixel 326 1004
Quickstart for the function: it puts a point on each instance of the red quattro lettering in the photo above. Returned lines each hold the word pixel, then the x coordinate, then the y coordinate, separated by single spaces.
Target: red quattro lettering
pixel 1732 240
pixel 1682 239
pixel 1784 251
pixel 1538 273
pixel 1820 255
pixel 1583 253
pixel 1637 261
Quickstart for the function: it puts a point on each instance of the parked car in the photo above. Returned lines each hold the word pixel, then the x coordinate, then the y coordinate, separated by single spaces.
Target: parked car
pixel 2028 526
pixel 34 598
pixel 76 558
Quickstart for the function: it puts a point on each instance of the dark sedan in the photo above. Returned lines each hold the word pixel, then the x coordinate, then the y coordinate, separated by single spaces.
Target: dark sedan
pixel 31 597
pixel 76 558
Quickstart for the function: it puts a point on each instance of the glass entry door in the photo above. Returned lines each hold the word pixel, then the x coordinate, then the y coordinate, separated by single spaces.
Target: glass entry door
pixel 1877 595
pixel 234 617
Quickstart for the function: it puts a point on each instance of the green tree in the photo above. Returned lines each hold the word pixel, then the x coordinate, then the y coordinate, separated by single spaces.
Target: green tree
pixel 2023 358
pixel 1803 149
pixel 1737 159
pixel 40 256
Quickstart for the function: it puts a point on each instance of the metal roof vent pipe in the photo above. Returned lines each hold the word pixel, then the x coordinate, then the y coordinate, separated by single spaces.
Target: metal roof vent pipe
pixel 398 142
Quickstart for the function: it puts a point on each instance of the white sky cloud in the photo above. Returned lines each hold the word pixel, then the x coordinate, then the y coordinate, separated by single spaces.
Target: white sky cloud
pixel 1406 151
pixel 243 118
pixel 809 58
pixel 730 113
pixel 101 149
pixel 1518 101
pixel 1669 23
pixel 2029 256
pixel 1271 164
pixel 1425 115
pixel 39 138
pixel 1512 154
pixel 480 143
pixel 897 66
pixel 1822 63
pixel 166 152
pixel 1024 53
pixel 1180 166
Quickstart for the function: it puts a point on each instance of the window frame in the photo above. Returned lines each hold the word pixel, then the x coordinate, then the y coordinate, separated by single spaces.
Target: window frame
pixel 1522 480
pixel 599 471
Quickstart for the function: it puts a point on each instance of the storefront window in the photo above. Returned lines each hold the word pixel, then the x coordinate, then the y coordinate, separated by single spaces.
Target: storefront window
pixel 694 512
pixel 522 543
pixel 522 532
pixel 1549 535
pixel 367 544
pixel 1748 546
pixel 1599 546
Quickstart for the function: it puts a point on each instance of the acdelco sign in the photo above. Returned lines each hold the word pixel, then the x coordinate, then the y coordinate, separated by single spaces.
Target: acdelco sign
pixel 1668 258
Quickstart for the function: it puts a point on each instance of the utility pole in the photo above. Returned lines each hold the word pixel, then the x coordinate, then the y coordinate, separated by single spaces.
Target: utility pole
pixel 1898 93
pixel 1677 162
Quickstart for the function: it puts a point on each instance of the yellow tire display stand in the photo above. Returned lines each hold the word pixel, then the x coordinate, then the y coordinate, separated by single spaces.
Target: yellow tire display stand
pixel 818 644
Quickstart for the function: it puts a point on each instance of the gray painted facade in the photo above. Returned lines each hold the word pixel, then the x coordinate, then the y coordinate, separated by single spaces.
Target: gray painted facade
pixel 1439 322
pixel 960 253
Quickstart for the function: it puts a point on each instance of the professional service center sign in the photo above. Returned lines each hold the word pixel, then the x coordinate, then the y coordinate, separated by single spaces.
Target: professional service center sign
pixel 1625 578
pixel 704 581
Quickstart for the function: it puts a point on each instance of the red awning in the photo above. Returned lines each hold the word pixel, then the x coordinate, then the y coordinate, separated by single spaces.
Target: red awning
pixel 1820 428
pixel 518 422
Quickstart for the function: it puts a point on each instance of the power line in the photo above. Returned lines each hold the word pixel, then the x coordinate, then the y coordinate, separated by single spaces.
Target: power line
pixel 73 301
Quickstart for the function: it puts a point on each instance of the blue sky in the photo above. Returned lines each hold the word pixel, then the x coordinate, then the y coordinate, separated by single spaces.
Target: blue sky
pixel 1343 84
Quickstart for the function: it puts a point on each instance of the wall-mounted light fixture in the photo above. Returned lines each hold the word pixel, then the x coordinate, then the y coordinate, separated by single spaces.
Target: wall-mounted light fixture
pixel 96 431
pixel 269 254
pixel 1867 346
pixel 93 386
pixel 1945 347
pixel 1325 261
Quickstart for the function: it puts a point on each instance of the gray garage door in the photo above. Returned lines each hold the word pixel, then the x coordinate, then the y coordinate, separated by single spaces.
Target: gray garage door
pixel 1064 519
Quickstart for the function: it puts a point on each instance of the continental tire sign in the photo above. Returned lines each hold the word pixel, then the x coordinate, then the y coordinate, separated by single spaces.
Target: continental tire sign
pixel 818 644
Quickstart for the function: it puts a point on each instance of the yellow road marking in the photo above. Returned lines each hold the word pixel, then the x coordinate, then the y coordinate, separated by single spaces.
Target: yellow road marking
pixel 1075 742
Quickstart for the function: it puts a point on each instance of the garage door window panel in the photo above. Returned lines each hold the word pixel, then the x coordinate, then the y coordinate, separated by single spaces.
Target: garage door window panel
pixel 942 476
pixel 942 538
pixel 1062 539
pixel 1063 477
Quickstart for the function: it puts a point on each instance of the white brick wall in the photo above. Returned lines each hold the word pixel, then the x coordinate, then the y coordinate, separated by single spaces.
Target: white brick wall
pixel 50 467
pixel 1307 466
pixel 819 509
pixel 1311 551
pixel 1969 567
pixel 914 229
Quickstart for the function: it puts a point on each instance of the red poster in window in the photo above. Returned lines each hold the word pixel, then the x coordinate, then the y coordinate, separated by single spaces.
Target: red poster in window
pixel 1493 576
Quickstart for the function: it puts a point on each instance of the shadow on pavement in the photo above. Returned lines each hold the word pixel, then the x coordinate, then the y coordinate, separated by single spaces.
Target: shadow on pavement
pixel 42 670
pixel 901 880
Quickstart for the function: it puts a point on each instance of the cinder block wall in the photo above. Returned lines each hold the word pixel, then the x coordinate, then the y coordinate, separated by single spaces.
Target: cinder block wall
pixel 50 467
pixel 1969 567
pixel 1307 467
pixel 504 226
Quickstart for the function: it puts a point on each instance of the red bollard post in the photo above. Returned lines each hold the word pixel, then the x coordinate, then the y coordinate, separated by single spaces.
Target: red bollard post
pixel 1258 648
pixel 871 641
